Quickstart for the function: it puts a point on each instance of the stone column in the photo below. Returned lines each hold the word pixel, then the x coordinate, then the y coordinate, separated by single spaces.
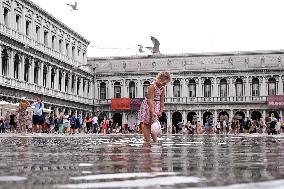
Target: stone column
pixel 184 117
pixel 75 85
pixel 124 118
pixel 56 79
pixel 199 88
pixel 48 77
pixel 231 115
pixel 22 68
pixel 169 118
pixel 1 19
pixel 63 82
pixel 247 87
pixel 69 84
pixel 40 74
pixel 200 116
pixel 31 71
pixel 231 88
pixel 280 86
pixel 215 88
pixel 248 115
pixel 0 45
pixel 82 83
pixel 139 89
pixel 184 88
pixel 170 90
pixel 11 64
pixel 263 114
pixel 124 90
pixel 215 116
pixel 263 89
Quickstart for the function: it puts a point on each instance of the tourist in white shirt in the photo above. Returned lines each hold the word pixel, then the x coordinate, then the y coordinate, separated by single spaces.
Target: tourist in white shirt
pixel 95 123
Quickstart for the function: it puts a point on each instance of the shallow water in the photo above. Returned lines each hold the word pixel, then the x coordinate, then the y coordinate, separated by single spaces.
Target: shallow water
pixel 124 161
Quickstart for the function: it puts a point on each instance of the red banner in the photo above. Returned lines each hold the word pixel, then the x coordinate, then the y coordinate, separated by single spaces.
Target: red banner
pixel 276 101
pixel 120 104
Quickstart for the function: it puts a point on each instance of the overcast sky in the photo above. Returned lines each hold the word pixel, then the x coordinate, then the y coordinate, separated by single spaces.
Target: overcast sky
pixel 116 27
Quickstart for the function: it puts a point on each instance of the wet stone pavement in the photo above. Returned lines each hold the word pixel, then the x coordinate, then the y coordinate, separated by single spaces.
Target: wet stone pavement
pixel 124 161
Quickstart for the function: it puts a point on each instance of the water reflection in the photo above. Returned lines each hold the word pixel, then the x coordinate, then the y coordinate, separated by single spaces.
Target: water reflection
pixel 125 161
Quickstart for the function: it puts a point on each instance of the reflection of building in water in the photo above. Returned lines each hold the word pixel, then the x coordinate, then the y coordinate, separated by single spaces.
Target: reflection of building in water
pixel 39 55
pixel 218 85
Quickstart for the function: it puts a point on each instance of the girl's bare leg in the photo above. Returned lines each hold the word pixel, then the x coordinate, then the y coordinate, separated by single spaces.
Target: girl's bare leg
pixel 147 132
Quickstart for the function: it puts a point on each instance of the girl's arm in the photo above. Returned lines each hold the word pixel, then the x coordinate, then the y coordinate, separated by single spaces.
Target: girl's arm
pixel 151 91
pixel 162 99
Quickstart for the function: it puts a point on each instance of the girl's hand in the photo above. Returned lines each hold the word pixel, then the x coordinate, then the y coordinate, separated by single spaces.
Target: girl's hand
pixel 154 115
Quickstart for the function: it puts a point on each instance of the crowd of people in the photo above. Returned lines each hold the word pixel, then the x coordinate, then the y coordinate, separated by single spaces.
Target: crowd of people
pixel 269 125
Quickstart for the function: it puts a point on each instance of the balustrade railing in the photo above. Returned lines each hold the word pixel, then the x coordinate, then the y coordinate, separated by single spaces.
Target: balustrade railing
pixel 35 44
pixel 203 100
pixel 18 84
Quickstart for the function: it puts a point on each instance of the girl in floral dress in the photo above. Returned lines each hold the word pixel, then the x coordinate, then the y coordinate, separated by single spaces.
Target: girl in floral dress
pixel 153 105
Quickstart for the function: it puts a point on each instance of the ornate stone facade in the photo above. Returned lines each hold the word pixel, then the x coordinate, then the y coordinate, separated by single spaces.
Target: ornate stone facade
pixel 217 84
pixel 41 55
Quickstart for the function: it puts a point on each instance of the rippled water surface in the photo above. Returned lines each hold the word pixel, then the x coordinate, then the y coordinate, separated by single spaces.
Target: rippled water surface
pixel 124 161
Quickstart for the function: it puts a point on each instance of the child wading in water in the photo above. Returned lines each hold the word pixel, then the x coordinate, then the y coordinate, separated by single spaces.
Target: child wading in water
pixel 153 105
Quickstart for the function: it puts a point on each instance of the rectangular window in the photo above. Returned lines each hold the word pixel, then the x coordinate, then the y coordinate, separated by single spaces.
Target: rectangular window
pixel 60 45
pixel 117 92
pixel 67 49
pixel 37 33
pixel 6 17
pixel 18 23
pixel 28 25
pixel 53 42
pixel 46 38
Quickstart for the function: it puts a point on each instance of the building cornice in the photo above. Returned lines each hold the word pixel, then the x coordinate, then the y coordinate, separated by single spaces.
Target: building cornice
pixel 53 19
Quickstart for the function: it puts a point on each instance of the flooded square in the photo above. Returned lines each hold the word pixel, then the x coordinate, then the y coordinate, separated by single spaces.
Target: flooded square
pixel 125 161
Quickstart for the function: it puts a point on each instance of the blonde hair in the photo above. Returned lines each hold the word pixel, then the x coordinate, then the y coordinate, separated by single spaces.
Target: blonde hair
pixel 164 76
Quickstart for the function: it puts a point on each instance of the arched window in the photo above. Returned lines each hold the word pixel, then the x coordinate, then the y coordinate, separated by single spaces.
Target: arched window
pixel 192 88
pixel 131 89
pixel 145 88
pixel 73 84
pixel 52 77
pixel 16 66
pixel 60 81
pixel 27 70
pixel 271 86
pixel 255 87
pixel 5 62
pixel 66 82
pixel 176 88
pixel 117 90
pixel 36 71
pixel 6 17
pixel 223 88
pixel 78 85
pixel 239 87
pixel 207 88
pixel 73 52
pixel 44 75
pixel 103 91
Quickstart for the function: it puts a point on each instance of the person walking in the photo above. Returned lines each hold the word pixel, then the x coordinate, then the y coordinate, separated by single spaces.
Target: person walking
pixel 23 118
pixel 38 119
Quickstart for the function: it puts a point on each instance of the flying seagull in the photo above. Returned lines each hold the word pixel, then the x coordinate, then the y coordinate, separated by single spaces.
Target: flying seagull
pixel 156 43
pixel 140 49
pixel 74 7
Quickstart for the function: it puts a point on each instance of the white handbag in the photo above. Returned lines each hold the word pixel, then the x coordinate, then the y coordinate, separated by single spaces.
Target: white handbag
pixel 156 128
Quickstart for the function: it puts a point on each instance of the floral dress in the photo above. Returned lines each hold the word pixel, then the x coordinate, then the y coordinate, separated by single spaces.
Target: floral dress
pixel 144 112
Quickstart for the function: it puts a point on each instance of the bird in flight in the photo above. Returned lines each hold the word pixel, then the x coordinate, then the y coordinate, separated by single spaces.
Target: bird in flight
pixel 156 43
pixel 74 7
pixel 140 49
